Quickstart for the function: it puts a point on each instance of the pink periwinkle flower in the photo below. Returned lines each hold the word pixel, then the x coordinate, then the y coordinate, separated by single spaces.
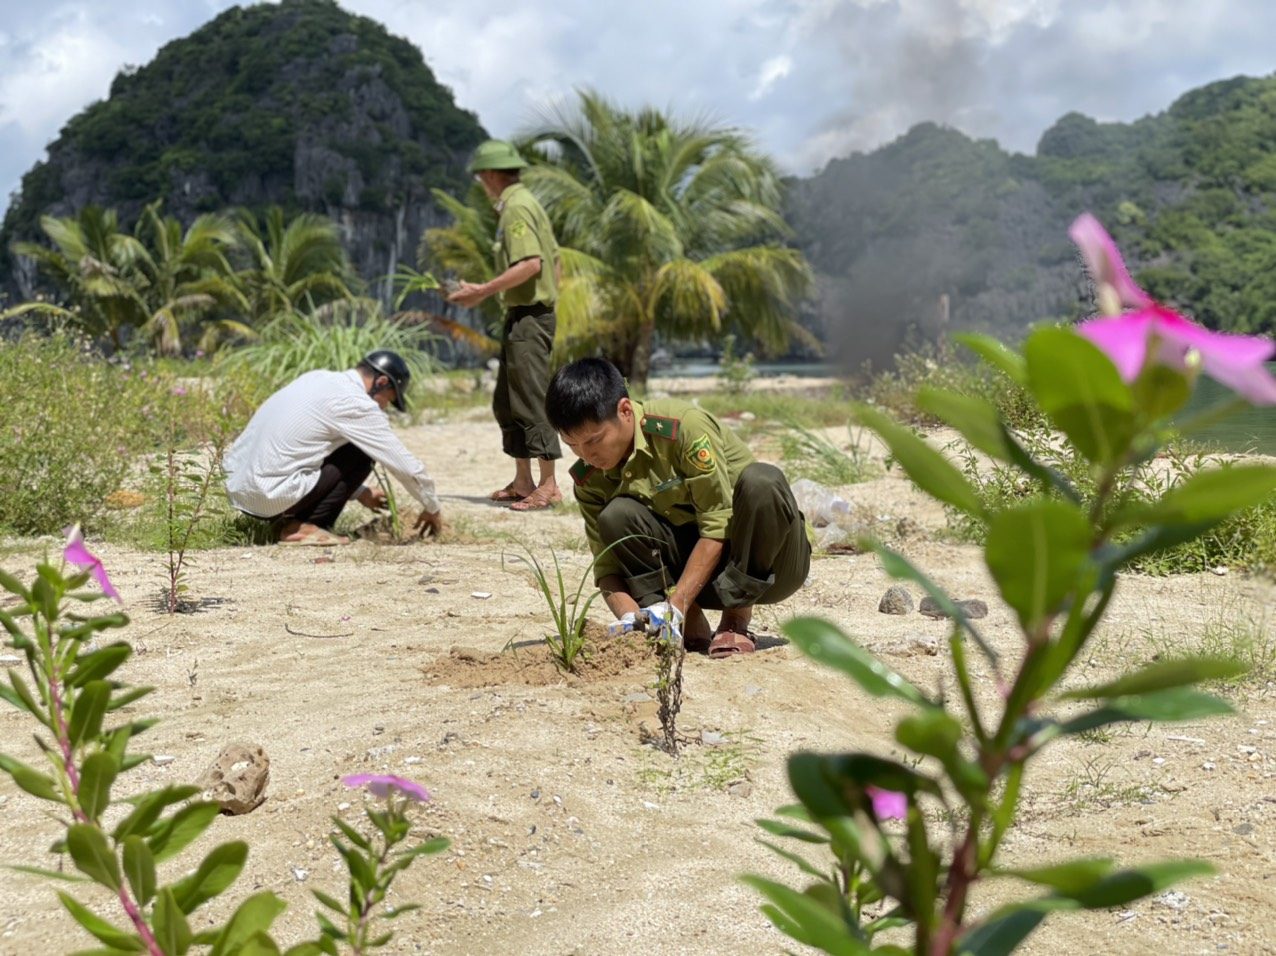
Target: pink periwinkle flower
pixel 1153 334
pixel 76 553
pixel 383 784
pixel 887 804
pixel 178 390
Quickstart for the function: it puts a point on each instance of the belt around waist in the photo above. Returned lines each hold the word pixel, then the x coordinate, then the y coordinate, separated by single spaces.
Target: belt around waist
pixel 523 311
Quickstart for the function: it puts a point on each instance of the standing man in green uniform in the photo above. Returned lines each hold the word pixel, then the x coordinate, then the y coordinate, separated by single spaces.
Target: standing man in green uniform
pixel 717 529
pixel 527 281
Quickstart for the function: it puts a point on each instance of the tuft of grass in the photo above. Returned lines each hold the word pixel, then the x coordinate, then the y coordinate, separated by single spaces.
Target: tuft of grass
pixel 808 454
pixel 334 336
pixel 700 769
pixel 566 609
pixel 1242 636
pixel 1094 786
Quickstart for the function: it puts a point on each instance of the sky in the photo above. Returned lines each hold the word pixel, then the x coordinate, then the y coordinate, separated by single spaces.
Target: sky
pixel 812 80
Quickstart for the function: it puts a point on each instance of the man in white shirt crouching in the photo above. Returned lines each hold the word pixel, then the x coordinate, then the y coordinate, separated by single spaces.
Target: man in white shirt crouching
pixel 310 447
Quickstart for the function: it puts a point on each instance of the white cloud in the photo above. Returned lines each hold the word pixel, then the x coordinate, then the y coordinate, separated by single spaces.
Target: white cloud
pixel 773 70
pixel 813 78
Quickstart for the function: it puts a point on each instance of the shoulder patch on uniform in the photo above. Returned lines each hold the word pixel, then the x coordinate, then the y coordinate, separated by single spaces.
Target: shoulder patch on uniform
pixel 660 427
pixel 700 454
pixel 581 471
pixel 518 229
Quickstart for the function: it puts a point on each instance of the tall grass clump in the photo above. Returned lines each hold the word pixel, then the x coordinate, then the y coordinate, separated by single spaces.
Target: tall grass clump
pixel 334 336
pixel 72 428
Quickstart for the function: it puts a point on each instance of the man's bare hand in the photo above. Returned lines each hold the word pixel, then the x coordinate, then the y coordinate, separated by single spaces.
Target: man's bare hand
pixel 468 295
pixel 428 524
pixel 371 498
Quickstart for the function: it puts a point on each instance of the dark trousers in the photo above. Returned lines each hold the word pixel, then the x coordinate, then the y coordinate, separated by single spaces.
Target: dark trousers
pixel 521 382
pixel 343 472
pixel 766 558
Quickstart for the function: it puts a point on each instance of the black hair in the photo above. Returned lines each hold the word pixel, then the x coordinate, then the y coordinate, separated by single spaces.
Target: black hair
pixel 586 392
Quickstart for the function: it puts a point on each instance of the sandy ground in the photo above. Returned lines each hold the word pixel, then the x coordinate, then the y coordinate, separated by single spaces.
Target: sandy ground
pixel 571 834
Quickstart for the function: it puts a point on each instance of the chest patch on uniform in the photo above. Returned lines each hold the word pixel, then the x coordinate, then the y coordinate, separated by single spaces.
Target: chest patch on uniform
pixel 700 454
pixel 660 427
pixel 581 471
pixel 518 229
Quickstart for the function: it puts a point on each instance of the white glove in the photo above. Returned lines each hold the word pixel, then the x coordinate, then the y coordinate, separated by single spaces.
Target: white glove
pixel 624 624
pixel 665 615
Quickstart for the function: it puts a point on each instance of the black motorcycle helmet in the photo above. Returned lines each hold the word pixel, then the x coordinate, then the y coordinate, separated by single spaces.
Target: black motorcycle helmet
pixel 391 365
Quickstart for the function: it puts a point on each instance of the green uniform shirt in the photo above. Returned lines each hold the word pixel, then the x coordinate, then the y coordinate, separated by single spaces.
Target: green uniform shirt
pixel 522 232
pixel 684 468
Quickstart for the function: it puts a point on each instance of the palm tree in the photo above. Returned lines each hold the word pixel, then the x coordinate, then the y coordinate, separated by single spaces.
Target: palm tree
pixel 186 275
pixel 667 226
pixel 467 250
pixel 93 263
pixel 294 265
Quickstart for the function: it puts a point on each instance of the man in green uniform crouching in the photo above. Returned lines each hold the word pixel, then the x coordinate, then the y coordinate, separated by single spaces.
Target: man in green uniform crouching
pixel 716 529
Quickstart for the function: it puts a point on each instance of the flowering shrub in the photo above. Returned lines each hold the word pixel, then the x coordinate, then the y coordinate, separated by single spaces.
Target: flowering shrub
pixel 1107 387
pixel 70 692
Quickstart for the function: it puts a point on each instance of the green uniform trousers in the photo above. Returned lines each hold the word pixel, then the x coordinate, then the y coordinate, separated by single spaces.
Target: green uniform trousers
pixel 521 382
pixel 766 558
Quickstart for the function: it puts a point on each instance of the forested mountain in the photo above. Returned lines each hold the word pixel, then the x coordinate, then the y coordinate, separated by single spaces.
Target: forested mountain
pixel 298 104
pixel 1188 193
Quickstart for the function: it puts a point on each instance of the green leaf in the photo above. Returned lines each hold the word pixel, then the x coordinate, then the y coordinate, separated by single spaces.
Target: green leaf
pixel 1067 878
pixel 1001 934
pixel 1162 675
pixel 1167 705
pixel 47 874
pixel 1160 391
pixel 216 872
pixel 797 859
pixel 96 778
pixel 1035 553
pixel 353 835
pixel 175 834
pixel 20 697
pixel 139 869
pixel 100 928
pixel 929 470
pixel 34 783
pixel 1213 494
pixel 1126 886
pixel 96 665
pixel 169 925
pixel 14 586
pixel 328 901
pixel 976 418
pixel 255 915
pixel 825 643
pixel 934 733
pixel 147 808
pixel 87 712
pixel 808 921
pixel 997 354
pixel 780 828
pixel 93 855
pixel 1082 392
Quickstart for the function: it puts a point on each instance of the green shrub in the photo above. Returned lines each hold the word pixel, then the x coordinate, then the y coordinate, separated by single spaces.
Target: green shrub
pixel 72 427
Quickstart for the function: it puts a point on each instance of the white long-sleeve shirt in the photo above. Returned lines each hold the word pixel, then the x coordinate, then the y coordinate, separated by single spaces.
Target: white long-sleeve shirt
pixel 276 461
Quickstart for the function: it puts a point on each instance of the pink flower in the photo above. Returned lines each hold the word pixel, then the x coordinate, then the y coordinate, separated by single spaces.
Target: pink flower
pixel 382 784
pixel 178 390
pixel 887 804
pixel 1153 334
pixel 76 553
pixel 1163 337
pixel 1112 281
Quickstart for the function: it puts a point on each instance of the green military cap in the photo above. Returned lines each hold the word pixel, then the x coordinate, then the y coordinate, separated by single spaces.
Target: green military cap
pixel 495 154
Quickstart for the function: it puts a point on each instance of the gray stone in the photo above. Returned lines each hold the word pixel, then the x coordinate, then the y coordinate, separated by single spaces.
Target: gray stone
pixel 973 608
pixel 896 600
pixel 237 778
pixel 910 647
